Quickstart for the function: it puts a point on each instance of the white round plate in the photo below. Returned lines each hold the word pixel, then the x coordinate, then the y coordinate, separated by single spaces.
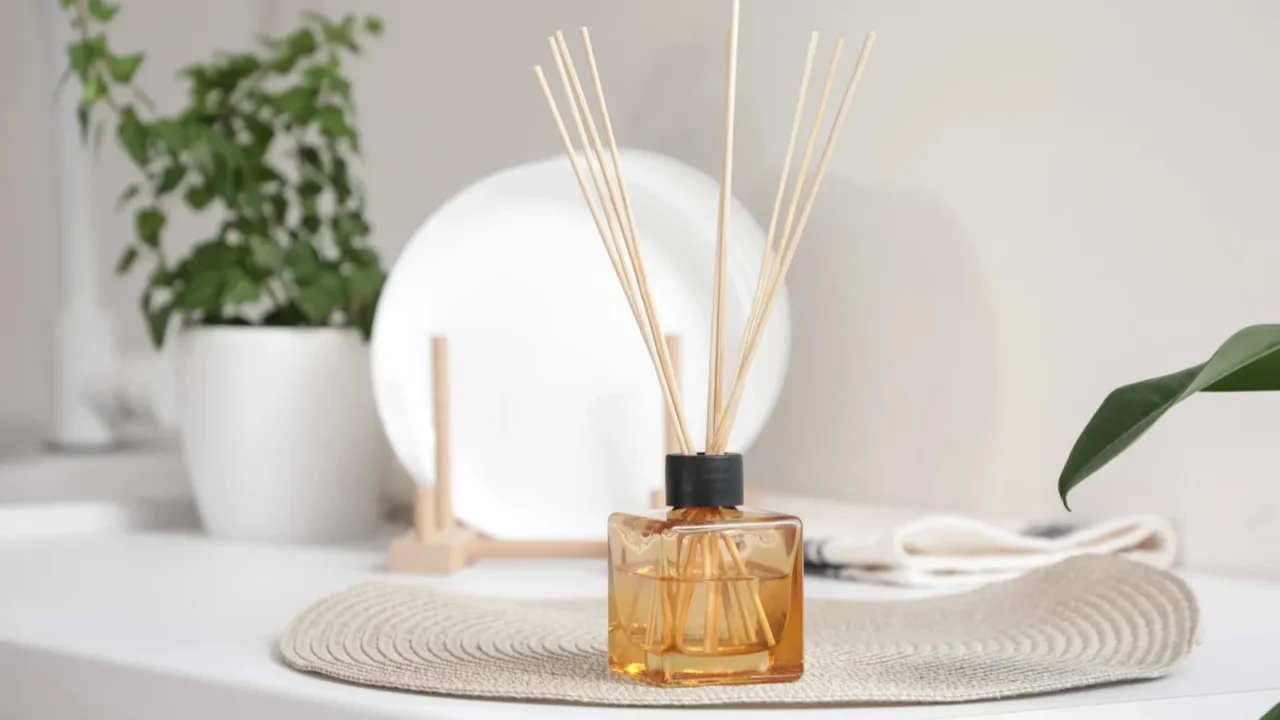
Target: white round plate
pixel 556 413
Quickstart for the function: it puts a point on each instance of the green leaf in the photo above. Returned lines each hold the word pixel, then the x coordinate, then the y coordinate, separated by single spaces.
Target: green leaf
pixel 296 101
pixel 82 119
pixel 123 67
pixel 157 321
pixel 333 123
pixel 302 43
pixel 342 34
pixel 202 154
pixel 366 282
pixel 302 259
pixel 1248 361
pixel 373 25
pixel 285 315
pixel 1272 714
pixel 148 223
pixel 170 178
pixel 198 197
pixel 132 135
pixel 92 91
pixel 102 11
pixel 129 193
pixel 171 133
pixel 240 288
pixel 320 296
pixel 127 257
pixel 266 253
pixel 202 292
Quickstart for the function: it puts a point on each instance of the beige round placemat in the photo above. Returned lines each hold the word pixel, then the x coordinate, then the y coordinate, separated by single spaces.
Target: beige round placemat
pixel 1081 622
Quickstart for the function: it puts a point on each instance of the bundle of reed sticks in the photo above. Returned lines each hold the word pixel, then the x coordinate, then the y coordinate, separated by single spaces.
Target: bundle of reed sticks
pixel 605 191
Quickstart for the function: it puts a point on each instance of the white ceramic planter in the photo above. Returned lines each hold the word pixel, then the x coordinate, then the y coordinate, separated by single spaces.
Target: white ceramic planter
pixel 279 432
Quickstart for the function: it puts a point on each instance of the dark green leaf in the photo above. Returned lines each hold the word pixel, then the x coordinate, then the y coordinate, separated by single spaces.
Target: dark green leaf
pixel 302 42
pixel 373 25
pixel 132 135
pixel 148 223
pixel 202 292
pixel 126 260
pixel 198 197
pixel 102 11
pixel 279 207
pixel 82 119
pixel 309 188
pixel 157 322
pixel 285 315
pixel 1272 714
pixel 123 67
pixel 351 225
pixel 130 192
pixel 1247 361
pixel 170 178
pixel 266 253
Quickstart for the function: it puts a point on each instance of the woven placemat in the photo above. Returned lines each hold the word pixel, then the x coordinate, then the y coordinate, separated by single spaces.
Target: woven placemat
pixel 1084 621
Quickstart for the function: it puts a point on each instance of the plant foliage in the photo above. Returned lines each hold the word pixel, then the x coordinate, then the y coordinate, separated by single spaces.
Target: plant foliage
pixel 1248 361
pixel 267 142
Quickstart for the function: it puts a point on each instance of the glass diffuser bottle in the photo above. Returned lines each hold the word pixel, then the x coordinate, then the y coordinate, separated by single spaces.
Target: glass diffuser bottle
pixel 707 592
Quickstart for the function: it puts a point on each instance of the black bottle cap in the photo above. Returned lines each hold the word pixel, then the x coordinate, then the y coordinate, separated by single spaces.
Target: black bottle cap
pixel 704 480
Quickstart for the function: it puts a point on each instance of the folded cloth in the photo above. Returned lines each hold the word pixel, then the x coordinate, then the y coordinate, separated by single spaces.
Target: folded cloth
pixel 915 548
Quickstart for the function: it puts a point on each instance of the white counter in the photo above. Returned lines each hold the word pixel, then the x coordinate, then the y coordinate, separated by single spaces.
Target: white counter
pixel 178 626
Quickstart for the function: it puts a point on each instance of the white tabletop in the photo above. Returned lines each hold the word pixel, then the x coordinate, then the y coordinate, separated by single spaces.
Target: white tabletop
pixel 164 626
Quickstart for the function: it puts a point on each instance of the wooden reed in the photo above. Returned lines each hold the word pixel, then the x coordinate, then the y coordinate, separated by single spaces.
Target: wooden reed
pixel 767 255
pixel 637 260
pixel 783 262
pixel 603 227
pixel 716 361
pixel 672 433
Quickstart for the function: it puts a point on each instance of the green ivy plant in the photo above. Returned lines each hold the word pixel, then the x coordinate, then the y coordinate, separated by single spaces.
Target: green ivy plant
pixel 266 141
pixel 1249 361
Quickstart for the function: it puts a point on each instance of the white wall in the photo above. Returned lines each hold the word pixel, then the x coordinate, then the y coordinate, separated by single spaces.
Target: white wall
pixel 1033 203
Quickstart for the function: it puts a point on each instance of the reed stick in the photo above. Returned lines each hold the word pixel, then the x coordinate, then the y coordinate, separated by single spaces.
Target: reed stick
pixel 712 620
pixel 783 263
pixel 633 247
pixel 767 255
pixel 716 361
pixel 603 227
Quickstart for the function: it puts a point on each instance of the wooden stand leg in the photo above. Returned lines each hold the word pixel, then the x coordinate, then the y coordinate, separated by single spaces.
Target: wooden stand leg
pixel 437 544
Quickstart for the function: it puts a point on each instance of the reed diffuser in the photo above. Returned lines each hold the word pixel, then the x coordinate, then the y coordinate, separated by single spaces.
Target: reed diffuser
pixel 706 592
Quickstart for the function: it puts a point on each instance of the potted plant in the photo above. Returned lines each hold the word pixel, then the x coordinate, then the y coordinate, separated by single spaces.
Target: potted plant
pixel 1248 361
pixel 279 432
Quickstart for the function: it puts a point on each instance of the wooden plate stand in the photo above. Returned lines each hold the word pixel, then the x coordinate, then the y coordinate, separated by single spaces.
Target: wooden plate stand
pixel 437 544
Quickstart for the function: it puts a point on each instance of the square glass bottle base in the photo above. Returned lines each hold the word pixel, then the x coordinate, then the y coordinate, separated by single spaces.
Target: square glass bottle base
pixel 706 596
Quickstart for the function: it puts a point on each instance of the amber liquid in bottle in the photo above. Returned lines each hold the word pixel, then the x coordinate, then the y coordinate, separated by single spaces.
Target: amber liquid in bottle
pixel 706 596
